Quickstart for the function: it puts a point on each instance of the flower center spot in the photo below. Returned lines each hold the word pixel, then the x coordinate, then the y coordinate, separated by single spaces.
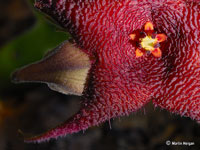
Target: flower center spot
pixel 148 43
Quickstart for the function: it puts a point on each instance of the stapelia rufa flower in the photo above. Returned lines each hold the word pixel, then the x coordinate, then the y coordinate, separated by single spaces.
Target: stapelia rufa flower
pixel 126 53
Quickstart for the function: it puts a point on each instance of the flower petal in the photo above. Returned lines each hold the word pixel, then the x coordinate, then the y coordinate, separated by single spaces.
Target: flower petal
pixel 107 95
pixel 64 70
pixel 179 91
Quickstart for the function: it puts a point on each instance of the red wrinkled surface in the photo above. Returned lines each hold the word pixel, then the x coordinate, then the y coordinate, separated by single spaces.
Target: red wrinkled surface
pixel 119 83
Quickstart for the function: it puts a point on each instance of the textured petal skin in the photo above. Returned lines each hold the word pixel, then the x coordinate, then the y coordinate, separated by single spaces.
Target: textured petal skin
pixel 181 79
pixel 118 82
pixel 106 96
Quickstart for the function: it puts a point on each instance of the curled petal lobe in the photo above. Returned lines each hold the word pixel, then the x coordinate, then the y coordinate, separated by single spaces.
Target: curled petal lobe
pixel 105 97
pixel 64 69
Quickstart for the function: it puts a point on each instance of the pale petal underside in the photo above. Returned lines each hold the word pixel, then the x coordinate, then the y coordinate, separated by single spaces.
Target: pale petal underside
pixel 64 69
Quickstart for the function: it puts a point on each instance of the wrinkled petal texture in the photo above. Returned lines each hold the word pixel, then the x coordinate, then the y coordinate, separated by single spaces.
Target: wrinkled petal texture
pixel 179 90
pixel 118 82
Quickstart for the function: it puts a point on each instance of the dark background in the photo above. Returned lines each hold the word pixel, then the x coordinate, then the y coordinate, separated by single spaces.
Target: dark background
pixel 29 109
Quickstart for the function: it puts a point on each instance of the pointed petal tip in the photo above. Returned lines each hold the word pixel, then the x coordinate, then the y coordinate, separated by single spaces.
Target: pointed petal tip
pixel 15 77
pixel 82 120
pixel 72 125
pixel 36 139
pixel 24 74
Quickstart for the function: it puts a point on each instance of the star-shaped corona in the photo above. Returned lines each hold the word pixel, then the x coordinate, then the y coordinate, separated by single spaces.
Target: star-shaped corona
pixel 149 43
pixel 124 54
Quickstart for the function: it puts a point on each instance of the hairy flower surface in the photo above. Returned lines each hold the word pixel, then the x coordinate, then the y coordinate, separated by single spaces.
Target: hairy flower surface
pixel 125 54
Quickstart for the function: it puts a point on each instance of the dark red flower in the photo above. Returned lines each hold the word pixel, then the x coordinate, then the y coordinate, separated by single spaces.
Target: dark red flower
pixel 126 53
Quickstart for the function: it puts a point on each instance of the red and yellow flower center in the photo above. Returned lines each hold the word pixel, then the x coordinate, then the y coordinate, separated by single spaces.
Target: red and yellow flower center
pixel 149 43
